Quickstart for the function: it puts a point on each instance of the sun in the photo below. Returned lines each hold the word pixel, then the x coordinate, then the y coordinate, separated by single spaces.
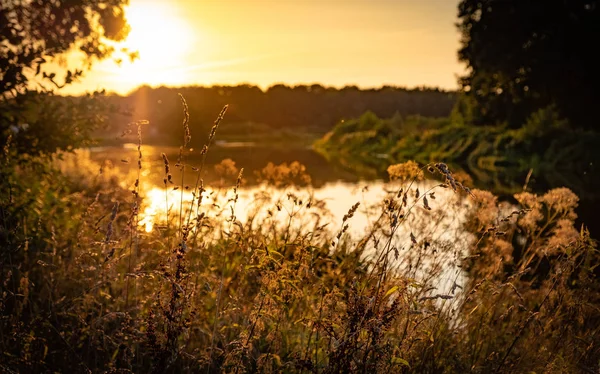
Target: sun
pixel 163 40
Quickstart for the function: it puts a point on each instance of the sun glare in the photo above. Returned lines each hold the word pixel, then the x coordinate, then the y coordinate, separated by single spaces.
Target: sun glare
pixel 163 40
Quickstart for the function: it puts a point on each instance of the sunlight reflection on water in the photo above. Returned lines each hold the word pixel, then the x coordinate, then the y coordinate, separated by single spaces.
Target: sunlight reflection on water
pixel 436 234
pixel 337 198
pixel 442 226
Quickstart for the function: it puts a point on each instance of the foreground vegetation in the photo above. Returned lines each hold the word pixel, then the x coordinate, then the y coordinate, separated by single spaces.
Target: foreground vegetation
pixel 504 289
pixel 84 288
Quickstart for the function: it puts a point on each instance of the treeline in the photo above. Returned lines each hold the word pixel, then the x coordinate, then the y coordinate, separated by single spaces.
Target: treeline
pixel 303 108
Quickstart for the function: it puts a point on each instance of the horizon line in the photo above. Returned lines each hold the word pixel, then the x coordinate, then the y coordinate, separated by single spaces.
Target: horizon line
pixel 265 89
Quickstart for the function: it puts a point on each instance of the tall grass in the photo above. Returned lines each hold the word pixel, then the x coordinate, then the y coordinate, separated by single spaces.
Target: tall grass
pixel 514 289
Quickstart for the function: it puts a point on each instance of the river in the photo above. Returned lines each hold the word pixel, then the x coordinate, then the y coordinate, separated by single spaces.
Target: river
pixel 328 197
pixel 323 174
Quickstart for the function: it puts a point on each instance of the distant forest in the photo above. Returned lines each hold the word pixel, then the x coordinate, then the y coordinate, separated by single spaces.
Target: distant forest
pixel 304 108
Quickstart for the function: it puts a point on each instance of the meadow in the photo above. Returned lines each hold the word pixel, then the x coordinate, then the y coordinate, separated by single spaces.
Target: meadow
pixel 441 277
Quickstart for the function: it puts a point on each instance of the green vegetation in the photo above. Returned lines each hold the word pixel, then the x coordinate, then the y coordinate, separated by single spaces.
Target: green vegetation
pixel 500 157
pixel 444 278
pixel 544 143
pixel 523 56
pixel 365 144
pixel 35 36
pixel 291 112
pixel 516 117
pixel 84 288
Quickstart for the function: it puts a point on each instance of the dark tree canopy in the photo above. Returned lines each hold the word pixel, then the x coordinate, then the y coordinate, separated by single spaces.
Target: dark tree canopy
pixel 35 36
pixel 524 55
pixel 36 32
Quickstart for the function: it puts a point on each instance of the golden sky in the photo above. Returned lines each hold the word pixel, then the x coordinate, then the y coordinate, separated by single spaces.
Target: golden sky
pixel 368 43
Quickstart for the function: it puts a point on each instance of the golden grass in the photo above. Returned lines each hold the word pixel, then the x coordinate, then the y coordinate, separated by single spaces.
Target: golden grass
pixel 85 289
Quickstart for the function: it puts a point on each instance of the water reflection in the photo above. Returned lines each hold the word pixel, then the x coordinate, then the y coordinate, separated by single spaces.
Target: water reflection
pixel 424 240
pixel 254 158
pixel 333 201
pixel 331 190
pixel 426 243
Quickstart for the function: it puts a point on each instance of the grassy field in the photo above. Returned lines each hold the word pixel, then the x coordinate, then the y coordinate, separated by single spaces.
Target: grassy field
pixel 86 289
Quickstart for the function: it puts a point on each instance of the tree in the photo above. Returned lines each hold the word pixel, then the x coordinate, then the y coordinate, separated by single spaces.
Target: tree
pixel 37 32
pixel 35 36
pixel 523 55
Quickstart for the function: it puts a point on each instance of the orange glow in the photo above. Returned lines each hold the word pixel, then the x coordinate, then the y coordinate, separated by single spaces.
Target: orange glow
pixel 163 40
pixel 334 43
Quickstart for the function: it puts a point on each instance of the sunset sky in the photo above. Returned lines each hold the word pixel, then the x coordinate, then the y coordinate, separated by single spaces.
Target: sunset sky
pixel 368 43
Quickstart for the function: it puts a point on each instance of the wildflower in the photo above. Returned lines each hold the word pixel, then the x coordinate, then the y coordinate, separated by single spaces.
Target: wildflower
pixel 284 174
pixel 563 235
pixel 351 212
pixel 226 168
pixel 486 207
pixel 562 200
pixel 530 219
pixel 405 171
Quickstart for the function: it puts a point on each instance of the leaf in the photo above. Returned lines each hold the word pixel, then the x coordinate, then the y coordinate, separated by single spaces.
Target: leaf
pixel 391 291
pixel 274 252
pixel 472 310
pixel 400 361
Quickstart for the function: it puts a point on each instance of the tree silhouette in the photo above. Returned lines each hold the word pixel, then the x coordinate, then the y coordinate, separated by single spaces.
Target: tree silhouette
pixel 35 36
pixel 300 109
pixel 35 33
pixel 526 55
